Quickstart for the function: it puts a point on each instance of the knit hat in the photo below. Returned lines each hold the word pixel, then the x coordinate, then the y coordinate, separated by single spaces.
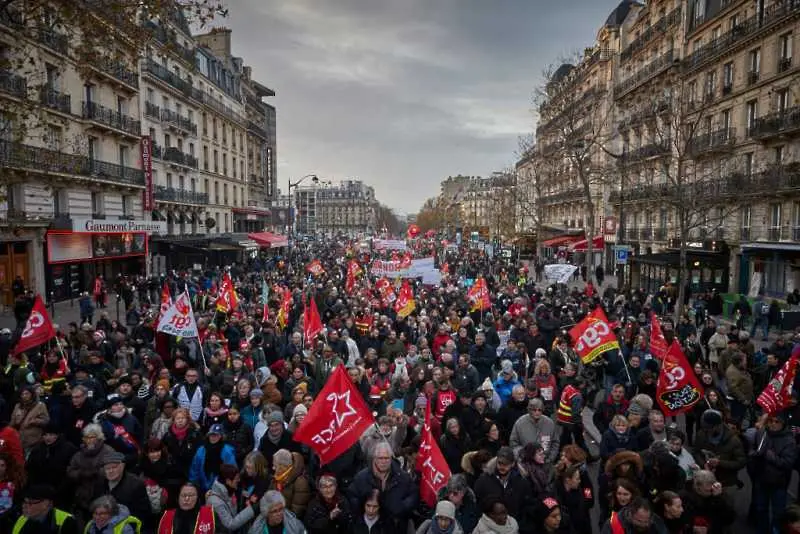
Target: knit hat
pixel 374 393
pixel 445 509
pixel 421 402
pixel 164 383
pixel 635 408
pixel 507 367
pixel 711 418
pixel 540 353
pixel 300 409
pixel 301 386
pixel 275 417
pixel 255 392
pixel 40 492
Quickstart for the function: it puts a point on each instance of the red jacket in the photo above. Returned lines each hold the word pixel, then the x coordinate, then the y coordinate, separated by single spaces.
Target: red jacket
pixel 11 445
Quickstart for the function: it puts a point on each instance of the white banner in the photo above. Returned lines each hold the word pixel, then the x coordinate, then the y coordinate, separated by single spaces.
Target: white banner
pixel 388 244
pixel 391 269
pixel 178 320
pixel 559 272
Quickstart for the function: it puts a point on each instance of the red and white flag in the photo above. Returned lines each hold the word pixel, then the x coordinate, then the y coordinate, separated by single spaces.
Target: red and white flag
pixel 178 320
pixel 678 389
pixel 658 344
pixel 337 418
pixel 228 300
pixel 315 268
pixel 405 303
pixel 778 393
pixel 593 336
pixel 431 464
pixel 312 324
pixel 38 330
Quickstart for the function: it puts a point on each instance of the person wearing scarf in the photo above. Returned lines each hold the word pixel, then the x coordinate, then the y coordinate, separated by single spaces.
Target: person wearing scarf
pixel 291 481
pixel 443 522
pixel 328 512
pixel 209 458
pixel 616 438
pixel 214 413
pixel 495 520
pixel 190 517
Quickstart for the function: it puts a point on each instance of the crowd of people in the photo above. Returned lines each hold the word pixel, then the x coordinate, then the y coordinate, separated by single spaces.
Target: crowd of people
pixel 111 428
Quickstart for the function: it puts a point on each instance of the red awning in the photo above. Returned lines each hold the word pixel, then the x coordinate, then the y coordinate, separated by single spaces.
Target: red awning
pixel 561 240
pixel 580 246
pixel 269 240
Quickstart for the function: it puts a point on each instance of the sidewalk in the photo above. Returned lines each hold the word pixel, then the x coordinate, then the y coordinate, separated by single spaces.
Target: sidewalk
pixel 65 312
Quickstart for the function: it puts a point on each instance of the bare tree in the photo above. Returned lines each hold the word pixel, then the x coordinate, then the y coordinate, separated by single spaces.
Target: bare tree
pixel 575 125
pixel 531 171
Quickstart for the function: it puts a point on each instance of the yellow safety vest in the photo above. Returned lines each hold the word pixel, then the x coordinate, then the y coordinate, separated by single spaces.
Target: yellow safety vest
pixel 60 515
pixel 130 520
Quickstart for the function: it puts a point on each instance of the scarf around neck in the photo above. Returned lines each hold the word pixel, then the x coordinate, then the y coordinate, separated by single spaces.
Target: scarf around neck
pixel 488 525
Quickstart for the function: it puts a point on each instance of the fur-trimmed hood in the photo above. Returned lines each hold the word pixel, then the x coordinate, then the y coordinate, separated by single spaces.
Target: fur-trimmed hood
pixel 625 457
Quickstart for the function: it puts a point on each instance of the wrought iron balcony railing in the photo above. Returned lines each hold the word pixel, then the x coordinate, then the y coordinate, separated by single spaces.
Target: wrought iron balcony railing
pixel 109 117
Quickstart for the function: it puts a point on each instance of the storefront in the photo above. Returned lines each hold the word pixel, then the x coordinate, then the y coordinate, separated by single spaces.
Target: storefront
pixel 770 268
pixel 707 262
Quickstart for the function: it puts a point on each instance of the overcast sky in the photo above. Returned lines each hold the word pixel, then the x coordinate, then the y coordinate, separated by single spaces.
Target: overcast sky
pixel 403 93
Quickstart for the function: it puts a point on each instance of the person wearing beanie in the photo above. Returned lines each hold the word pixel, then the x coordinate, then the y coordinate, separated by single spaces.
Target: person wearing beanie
pixel 276 437
pixel 298 416
pixel 506 380
pixel 443 522
pixel 718 449
pixel 502 481
pixel 29 417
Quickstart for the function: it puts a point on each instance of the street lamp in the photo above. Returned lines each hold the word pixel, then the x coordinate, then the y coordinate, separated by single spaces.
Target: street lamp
pixel 292 185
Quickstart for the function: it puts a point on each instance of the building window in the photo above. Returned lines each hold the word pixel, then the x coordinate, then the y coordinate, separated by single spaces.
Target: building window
pixel 216 193
pixel 98 208
pixel 754 63
pixel 796 221
pixel 748 164
pixel 205 157
pixel 779 154
pixel 727 77
pixel 744 223
pixel 225 164
pixel 726 120
pixel 783 99
pixel 785 59
pixel 774 217
pixel 752 114
pixel 60 202
pixel 216 162
pixel 233 167
pixel 169 180
pixel 127 205
pixel 53 137
pixel 205 123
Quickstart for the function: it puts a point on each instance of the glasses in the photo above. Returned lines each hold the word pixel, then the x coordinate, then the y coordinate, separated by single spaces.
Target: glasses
pixel 188 496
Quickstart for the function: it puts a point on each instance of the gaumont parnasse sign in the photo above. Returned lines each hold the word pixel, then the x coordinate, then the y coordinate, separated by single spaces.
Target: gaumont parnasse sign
pixel 112 226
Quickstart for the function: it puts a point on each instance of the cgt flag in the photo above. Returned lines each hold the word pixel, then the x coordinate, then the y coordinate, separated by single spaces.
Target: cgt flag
pixel 678 389
pixel 228 300
pixel 337 418
pixel 478 296
pixel 312 324
pixel 405 303
pixel 38 330
pixel 431 464
pixel 179 318
pixel 778 393
pixel 593 336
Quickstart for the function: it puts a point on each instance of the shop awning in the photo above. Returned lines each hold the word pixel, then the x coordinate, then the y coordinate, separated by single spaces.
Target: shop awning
pixel 580 246
pixel 269 240
pixel 561 240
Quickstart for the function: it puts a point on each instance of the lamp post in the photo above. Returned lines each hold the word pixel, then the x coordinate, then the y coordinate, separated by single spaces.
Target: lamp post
pixel 293 185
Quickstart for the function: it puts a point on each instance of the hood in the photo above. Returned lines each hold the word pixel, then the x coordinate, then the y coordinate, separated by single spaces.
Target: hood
pixel 262 373
pixel 466 466
pixel 218 489
pixel 624 457
pixel 121 516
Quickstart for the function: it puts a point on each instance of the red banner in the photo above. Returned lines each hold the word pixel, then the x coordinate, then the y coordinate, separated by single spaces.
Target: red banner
pixel 386 291
pixel 312 324
pixel 413 231
pixel 315 268
pixel 658 345
pixel 478 296
pixel 227 301
pixel 353 271
pixel 285 308
pixel 593 336
pixel 431 464
pixel 148 199
pixel 337 418
pixel 38 330
pixel 405 303
pixel 778 393
pixel 678 389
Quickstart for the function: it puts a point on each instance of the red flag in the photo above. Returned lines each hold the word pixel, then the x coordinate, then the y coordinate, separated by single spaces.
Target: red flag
pixel 312 324
pixel 413 231
pixel 285 308
pixel 337 418
pixel 38 330
pixel 778 393
pixel 405 303
pixel 478 295
pixel 616 524
pixel 166 302
pixel 384 287
pixel 315 268
pixel 678 389
pixel 405 262
pixel 658 344
pixel 227 301
pixel 353 270
pixel 431 464
pixel 593 336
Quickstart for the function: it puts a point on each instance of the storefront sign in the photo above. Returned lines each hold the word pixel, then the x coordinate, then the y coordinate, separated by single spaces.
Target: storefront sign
pixel 148 201
pixel 102 226
pixel 77 247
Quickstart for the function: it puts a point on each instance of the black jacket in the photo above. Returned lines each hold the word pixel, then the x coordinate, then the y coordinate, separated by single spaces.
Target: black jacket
pixel 318 518
pixel 131 492
pixel 398 500
pixel 47 464
pixel 515 494
pixel 771 464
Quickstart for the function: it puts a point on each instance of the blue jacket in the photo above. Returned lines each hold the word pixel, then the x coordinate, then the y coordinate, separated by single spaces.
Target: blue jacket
pixel 197 472
pixel 503 387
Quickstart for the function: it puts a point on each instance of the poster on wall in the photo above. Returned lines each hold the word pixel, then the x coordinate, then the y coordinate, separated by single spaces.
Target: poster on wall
pixel 69 247
pixel 84 246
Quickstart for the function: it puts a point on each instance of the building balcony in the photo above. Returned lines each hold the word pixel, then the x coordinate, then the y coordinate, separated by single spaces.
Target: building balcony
pixel 779 124
pixel 151 110
pixel 17 216
pixel 774 233
pixel 659 28
pixel 170 78
pixel 169 39
pixel 177 122
pixel 118 71
pixel 173 155
pixel 56 100
pixel 570 195
pixel 742 33
pixel 720 141
pixel 55 41
pixel 12 84
pixel 42 160
pixel 654 68
pixel 651 150
pixel 257 129
pixel 180 196
pixel 112 119
pixel 744 233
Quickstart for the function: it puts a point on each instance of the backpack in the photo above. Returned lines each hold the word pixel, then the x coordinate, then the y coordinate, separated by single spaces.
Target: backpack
pixel 764 308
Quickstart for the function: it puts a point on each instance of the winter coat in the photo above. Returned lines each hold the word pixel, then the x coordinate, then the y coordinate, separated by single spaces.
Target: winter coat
pixel 240 435
pixel 30 421
pixel 425 528
pixel 399 497
pixel 228 520
pixel 296 489
pixel 197 472
pixel 85 471
pixel 729 450
pixel 613 442
pixel 268 449
pixel 543 431
pixel 503 387
pixel 454 448
pixel 468 513
pixel 516 493
pixel 291 525
pixel 510 414
pixel 182 452
pixel 318 516
pixel 47 464
pixel 770 463
pixel 740 384
pixel 606 412
pixel 715 509
pixel 131 492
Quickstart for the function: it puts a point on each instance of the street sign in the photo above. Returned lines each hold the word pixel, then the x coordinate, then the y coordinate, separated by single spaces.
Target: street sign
pixel 621 254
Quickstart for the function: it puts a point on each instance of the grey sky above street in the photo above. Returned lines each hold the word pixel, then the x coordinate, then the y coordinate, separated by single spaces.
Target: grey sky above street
pixel 403 93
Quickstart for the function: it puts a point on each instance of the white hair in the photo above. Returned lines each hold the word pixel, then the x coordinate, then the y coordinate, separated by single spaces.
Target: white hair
pixel 95 430
pixel 270 499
